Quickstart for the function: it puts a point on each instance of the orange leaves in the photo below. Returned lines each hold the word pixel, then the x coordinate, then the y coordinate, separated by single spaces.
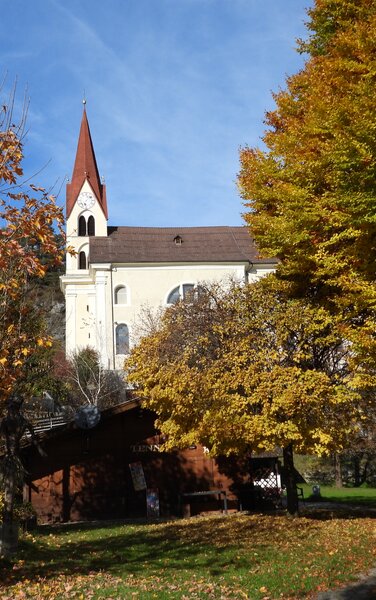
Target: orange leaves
pixel 10 156
pixel 36 188
pixel 28 248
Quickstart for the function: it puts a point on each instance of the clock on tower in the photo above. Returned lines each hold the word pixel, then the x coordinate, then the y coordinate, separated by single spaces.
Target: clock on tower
pixel 85 200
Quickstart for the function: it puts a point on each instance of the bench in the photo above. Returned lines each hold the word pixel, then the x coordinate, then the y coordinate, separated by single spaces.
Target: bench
pixel 222 494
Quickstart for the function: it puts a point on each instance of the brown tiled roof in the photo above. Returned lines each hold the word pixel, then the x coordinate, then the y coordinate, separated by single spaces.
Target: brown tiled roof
pixel 158 245
pixel 85 167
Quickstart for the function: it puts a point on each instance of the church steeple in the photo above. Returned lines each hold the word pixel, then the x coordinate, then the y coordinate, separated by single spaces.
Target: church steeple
pixel 85 168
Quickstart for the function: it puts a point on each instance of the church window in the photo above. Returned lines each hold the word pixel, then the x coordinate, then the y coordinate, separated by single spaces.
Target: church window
pixel 91 225
pixel 82 264
pixel 122 339
pixel 174 296
pixel 82 226
pixel 121 295
pixel 180 292
pixel 187 290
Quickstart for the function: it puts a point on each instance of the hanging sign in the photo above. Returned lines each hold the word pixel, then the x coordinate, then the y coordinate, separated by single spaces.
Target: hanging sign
pixel 138 476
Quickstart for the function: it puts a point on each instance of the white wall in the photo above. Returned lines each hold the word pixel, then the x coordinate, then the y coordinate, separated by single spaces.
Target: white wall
pixel 91 312
pixel 80 243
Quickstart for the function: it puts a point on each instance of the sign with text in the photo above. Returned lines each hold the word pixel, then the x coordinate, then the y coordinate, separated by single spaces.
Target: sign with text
pixel 138 476
pixel 136 448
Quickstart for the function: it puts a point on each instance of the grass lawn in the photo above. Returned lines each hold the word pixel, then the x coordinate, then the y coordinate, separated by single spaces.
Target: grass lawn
pixel 362 496
pixel 239 556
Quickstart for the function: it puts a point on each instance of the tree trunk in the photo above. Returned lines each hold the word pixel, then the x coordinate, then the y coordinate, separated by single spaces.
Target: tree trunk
pixel 13 426
pixel 9 529
pixel 337 470
pixel 365 471
pixel 290 481
pixel 9 493
pixel 356 464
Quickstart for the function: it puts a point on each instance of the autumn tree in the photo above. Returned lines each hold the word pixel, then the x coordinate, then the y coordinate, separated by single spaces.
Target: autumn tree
pixel 311 193
pixel 247 369
pixel 28 247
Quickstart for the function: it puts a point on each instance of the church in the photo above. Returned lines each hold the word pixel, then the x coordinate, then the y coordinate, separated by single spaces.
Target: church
pixel 118 271
pixel 117 468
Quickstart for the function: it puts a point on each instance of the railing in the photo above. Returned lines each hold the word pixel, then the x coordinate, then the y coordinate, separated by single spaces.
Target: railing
pixel 48 423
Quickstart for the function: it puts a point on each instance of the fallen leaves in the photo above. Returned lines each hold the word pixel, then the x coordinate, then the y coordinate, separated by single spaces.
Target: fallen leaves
pixel 257 557
pixel 62 586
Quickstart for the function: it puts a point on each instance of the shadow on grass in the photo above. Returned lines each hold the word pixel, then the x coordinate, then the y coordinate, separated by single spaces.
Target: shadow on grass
pixel 351 500
pixel 333 510
pixel 125 551
pixel 359 500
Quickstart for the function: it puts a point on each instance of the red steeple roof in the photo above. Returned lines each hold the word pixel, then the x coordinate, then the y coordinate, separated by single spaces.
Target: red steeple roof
pixel 85 167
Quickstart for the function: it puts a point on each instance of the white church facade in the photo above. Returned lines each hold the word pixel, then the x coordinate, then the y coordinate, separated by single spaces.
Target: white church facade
pixel 118 271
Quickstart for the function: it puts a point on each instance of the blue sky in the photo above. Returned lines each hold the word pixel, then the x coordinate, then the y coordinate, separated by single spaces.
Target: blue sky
pixel 173 88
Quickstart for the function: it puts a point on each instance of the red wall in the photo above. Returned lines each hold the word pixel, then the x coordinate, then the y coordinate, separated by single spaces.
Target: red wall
pixel 86 474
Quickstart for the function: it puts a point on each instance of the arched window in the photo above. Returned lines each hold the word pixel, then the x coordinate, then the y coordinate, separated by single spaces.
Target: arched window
pixel 91 225
pixel 121 295
pixel 82 260
pixel 82 226
pixel 181 291
pixel 122 339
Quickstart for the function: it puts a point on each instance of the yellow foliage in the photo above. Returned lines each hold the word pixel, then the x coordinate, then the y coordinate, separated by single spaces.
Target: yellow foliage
pixel 310 195
pixel 251 369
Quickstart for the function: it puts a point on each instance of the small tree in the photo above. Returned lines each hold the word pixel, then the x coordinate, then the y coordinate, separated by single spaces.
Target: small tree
pixel 91 384
pixel 247 369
